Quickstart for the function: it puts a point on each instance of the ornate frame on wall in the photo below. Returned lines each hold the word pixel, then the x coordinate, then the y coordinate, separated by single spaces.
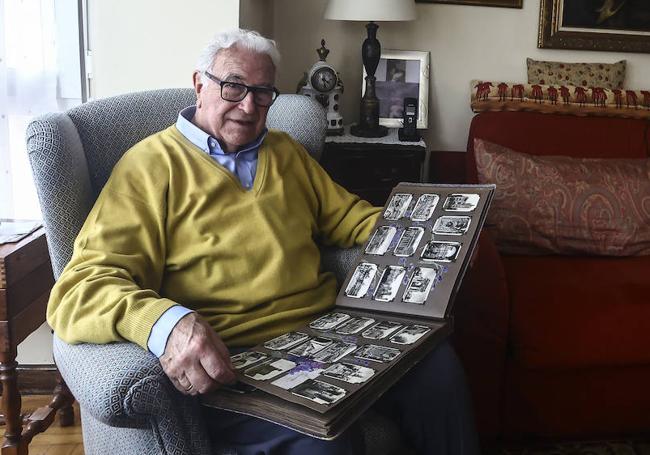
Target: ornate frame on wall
pixel 552 34
pixel 501 3
pixel 412 60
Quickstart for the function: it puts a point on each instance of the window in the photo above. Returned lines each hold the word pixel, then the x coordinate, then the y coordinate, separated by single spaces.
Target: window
pixel 40 71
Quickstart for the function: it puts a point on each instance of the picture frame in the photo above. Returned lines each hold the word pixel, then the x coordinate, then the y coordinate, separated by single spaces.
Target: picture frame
pixel 500 3
pixel 577 24
pixel 401 74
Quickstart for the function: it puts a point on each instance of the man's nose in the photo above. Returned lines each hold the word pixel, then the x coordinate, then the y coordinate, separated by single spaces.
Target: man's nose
pixel 248 104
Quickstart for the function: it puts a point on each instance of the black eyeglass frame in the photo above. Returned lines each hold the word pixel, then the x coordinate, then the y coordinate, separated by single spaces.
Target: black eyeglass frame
pixel 248 88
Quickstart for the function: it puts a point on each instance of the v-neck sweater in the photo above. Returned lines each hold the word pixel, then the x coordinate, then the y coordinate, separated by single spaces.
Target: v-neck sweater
pixel 171 226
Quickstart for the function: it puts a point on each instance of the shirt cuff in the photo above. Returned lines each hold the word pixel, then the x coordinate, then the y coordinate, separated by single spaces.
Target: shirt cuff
pixel 163 328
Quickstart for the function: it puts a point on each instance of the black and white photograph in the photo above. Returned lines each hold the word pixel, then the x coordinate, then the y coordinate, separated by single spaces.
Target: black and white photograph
pixel 247 358
pixel 409 241
pixel 329 321
pixel 452 225
pixel 461 202
pixel 424 207
pixel 381 330
pixel 380 240
pixel 381 354
pixel 361 280
pixel 286 341
pixel 310 347
pixel 400 75
pixel 269 369
pixel 349 372
pixel 420 284
pixel 319 392
pixel 440 251
pixel 397 206
pixel 355 325
pixel 334 352
pixel 301 373
pixel 389 283
pixel 410 334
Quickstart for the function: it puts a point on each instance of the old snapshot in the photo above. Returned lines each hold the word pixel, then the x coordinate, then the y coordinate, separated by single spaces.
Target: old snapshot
pixel 349 372
pixel 381 240
pixel 420 284
pixel 247 358
pixel 409 241
pixel 286 341
pixel 452 225
pixel 361 280
pixel 380 330
pixel 301 373
pixel 310 347
pixel 381 354
pixel 397 206
pixel 334 352
pixel 461 202
pixel 269 369
pixel 409 334
pixel 355 325
pixel 424 207
pixel 440 251
pixel 319 392
pixel 389 283
pixel 329 321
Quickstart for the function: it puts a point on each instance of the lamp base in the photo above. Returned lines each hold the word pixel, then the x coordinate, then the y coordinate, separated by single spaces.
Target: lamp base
pixel 359 131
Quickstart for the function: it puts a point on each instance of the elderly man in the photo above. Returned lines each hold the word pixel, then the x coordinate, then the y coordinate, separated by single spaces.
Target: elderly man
pixel 203 240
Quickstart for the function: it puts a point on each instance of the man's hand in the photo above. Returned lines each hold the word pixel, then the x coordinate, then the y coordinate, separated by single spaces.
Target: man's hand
pixel 195 358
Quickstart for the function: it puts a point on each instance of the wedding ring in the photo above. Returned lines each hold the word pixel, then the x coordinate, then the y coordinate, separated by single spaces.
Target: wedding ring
pixel 188 389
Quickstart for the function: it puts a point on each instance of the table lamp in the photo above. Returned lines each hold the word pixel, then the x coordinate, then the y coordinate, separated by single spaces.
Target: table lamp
pixel 371 11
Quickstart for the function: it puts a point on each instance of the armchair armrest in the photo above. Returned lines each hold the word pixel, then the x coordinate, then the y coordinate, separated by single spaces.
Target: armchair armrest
pixel 122 385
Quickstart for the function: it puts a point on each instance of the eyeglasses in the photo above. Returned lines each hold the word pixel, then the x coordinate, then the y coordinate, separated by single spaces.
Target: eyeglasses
pixel 235 92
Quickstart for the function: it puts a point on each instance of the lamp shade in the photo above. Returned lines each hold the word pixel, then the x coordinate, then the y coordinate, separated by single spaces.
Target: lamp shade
pixel 370 10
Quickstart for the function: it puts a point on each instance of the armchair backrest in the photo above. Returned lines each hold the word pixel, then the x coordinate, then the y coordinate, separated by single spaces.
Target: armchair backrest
pixel 73 153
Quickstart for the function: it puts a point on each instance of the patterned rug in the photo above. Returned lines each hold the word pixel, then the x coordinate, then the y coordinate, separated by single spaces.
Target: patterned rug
pixel 583 448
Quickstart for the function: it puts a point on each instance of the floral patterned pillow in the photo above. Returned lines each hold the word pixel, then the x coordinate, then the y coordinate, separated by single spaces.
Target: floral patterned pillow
pixel 565 205
pixel 608 75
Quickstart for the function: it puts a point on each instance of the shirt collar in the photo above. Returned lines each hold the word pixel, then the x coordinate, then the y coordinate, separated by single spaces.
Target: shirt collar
pixel 207 143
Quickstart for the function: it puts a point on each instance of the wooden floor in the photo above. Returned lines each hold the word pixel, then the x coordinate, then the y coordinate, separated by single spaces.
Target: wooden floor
pixel 56 440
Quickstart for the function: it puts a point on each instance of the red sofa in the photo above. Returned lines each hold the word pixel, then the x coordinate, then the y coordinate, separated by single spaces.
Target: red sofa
pixel 556 347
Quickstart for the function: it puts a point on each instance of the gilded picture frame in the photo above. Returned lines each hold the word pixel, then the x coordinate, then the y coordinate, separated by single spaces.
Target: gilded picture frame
pixel 401 74
pixel 595 25
pixel 500 3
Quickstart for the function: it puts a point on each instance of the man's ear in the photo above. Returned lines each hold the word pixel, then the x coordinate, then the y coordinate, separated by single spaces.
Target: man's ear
pixel 198 86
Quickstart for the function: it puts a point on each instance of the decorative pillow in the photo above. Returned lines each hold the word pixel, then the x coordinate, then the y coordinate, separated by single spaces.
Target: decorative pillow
pixel 563 99
pixel 564 205
pixel 607 75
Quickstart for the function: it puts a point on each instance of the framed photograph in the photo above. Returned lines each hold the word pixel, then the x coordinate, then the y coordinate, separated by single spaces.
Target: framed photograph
pixel 401 74
pixel 596 25
pixel 502 3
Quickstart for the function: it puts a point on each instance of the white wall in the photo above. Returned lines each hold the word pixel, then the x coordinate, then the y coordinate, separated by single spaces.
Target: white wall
pixel 465 43
pixel 149 44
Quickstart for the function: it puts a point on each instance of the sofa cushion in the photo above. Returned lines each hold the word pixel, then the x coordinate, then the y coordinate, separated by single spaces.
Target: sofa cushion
pixel 608 75
pixel 574 312
pixel 564 205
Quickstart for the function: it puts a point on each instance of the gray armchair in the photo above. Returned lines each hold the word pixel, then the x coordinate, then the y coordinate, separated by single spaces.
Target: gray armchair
pixel 128 405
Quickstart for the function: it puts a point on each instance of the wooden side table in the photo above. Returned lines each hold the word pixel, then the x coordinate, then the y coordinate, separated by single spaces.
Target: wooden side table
pixel 25 283
pixel 371 167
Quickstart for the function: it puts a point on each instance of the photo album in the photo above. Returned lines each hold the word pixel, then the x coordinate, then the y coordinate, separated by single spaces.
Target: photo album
pixel 393 308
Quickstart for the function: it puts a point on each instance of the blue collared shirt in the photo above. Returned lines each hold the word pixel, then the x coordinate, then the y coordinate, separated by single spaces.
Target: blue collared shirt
pixel 243 165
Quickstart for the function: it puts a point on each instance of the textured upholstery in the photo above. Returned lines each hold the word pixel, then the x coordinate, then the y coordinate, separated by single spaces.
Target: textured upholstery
pixel 128 405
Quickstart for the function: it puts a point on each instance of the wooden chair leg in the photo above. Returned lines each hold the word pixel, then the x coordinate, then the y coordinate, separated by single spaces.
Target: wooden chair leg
pixel 63 401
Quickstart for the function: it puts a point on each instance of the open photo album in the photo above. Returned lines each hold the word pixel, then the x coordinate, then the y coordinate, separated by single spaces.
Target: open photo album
pixel 392 309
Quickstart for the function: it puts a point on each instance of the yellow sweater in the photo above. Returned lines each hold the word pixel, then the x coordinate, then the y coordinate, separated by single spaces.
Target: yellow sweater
pixel 173 226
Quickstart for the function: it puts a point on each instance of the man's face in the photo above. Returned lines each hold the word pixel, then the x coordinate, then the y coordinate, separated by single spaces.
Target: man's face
pixel 234 124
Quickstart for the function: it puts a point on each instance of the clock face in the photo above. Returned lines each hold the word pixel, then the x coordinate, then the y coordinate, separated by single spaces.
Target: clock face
pixel 324 79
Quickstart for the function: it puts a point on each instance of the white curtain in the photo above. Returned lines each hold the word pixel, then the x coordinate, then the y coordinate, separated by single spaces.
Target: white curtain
pixel 39 72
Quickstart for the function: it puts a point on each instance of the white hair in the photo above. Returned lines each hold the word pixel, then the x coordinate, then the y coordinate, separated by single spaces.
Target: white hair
pixel 245 39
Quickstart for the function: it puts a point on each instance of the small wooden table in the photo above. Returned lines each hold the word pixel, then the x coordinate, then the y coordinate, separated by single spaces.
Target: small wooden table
pixel 25 283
